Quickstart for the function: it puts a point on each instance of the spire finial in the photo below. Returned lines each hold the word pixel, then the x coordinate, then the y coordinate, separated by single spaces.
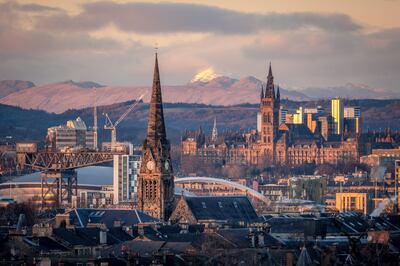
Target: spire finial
pixel 270 70
pixel 262 92
pixel 156 48
pixel 214 133
pixel 278 93
pixel 270 90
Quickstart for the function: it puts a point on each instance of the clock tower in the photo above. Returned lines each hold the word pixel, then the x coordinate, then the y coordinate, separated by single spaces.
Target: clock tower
pixel 156 182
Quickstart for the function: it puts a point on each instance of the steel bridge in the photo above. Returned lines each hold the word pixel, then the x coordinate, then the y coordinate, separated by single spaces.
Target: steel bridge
pixel 59 180
pixel 220 181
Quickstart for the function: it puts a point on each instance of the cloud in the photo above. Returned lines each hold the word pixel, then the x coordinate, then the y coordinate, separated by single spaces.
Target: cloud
pixel 36 8
pixel 151 18
pixel 15 6
pixel 111 43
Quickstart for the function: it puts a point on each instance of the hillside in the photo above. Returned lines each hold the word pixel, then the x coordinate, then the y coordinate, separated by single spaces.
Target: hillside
pixel 205 88
pixel 61 96
pixel 33 124
pixel 10 86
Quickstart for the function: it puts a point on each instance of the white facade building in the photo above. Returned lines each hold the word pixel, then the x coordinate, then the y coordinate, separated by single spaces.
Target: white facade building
pixel 125 178
pixel 73 135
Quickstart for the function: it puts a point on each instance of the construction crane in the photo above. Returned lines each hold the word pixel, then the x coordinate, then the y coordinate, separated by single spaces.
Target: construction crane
pixel 113 126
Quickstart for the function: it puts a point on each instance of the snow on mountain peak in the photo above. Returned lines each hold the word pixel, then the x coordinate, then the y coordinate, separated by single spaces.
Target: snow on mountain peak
pixel 205 75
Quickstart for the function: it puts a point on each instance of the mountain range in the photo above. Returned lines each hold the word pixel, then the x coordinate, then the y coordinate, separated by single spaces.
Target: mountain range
pixel 218 90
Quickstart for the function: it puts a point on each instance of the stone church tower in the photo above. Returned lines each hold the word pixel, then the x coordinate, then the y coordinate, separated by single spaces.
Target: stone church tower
pixel 156 182
pixel 269 109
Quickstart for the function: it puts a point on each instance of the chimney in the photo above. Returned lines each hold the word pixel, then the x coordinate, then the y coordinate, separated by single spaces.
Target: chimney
pixel 260 239
pixel 103 237
pixel 141 229
pixel 117 223
pixel 62 220
pixel 252 237
pixel 184 228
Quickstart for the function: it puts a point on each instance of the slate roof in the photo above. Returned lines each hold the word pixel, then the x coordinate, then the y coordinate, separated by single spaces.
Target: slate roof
pixel 177 247
pixel 222 208
pixel 81 217
pixel 383 223
pixel 143 248
pixel 353 220
pixel 90 236
pixel 73 238
pixel 176 229
pixel 44 244
pixel 287 225
pixel 297 224
pixel 239 237
pixel 382 145
pixel 300 131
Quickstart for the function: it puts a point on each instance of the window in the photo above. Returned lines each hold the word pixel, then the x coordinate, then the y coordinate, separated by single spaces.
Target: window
pixel 203 204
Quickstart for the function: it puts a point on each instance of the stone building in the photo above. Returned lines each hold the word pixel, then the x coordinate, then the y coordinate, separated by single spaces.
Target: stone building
pixel 273 143
pixel 156 181
pixel 214 210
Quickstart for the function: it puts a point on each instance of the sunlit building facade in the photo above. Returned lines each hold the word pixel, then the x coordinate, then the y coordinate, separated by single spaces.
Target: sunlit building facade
pixel 338 115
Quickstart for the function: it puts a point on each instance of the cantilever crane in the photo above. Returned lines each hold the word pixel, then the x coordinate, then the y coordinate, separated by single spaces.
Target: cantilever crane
pixel 113 126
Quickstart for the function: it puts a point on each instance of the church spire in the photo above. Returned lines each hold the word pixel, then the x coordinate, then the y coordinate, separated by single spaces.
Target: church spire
pixel 156 181
pixel 214 134
pixel 278 93
pixel 270 90
pixel 262 92
pixel 270 72
pixel 156 126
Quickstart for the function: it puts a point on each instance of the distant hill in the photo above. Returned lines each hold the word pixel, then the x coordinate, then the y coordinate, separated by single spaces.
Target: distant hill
pixel 208 88
pixel 10 86
pixel 351 91
pixel 32 124
pixel 61 96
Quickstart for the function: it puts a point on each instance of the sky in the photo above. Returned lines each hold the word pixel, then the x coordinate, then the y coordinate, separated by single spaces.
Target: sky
pixel 310 43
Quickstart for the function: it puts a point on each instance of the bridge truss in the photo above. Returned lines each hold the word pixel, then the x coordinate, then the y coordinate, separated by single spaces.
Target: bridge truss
pixel 59 180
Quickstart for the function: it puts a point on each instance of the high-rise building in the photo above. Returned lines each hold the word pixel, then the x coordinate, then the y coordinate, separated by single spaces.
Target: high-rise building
pixel 311 122
pixel 298 117
pixel 352 112
pixel 352 118
pixel 289 118
pixel 282 115
pixel 338 115
pixel 125 178
pixel 326 125
pixel 73 135
pixel 156 181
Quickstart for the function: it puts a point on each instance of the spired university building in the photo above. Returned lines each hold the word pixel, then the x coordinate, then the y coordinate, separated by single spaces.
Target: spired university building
pixel 273 142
